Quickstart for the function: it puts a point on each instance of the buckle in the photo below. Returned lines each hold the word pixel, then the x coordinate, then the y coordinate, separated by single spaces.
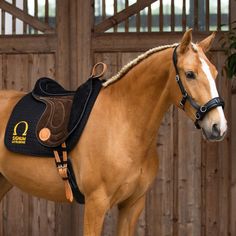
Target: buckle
pixel 197 116
pixel 203 109
pixel 177 78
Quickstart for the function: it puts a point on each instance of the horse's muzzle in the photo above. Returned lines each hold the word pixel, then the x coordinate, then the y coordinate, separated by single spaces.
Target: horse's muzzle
pixel 214 133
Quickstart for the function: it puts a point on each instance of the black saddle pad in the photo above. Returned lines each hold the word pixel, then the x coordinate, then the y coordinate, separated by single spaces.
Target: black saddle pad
pixel 20 135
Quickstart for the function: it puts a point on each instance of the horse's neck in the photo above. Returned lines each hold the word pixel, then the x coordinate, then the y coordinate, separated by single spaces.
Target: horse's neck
pixel 141 97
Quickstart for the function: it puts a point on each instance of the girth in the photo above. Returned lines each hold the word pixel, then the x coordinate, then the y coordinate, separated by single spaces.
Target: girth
pixel 201 110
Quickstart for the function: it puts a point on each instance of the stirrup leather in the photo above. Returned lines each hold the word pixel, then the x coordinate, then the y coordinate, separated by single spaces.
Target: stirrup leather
pixel 62 167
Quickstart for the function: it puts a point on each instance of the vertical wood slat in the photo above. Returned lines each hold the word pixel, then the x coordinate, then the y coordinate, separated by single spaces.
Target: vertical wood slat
pixel 103 9
pixel 3 15
pixel 203 188
pixel 161 16
pixel 36 12
pixel 127 20
pixel 172 16
pixel 224 152
pixel 25 9
pixel 46 19
pixel 212 175
pixel 138 22
pixel 195 15
pixel 115 12
pixel 13 19
pixel 189 178
pixel 218 14
pixel 73 45
pixel 184 16
pixel 149 19
pixel 36 8
pixel 175 131
pixel 207 15
pixel 62 54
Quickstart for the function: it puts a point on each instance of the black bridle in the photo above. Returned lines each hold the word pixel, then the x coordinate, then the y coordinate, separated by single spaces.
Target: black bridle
pixel 201 111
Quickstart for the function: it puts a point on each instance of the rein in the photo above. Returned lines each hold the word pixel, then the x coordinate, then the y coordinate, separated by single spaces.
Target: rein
pixel 201 111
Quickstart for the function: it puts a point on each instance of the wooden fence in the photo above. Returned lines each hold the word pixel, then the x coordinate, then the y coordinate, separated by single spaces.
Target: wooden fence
pixel 194 192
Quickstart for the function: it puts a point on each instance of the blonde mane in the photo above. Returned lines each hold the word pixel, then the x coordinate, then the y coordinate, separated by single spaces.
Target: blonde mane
pixel 134 62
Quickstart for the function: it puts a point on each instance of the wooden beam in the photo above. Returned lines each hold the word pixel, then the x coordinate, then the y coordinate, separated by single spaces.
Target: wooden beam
pixel 138 42
pixel 123 15
pixel 26 18
pixel 28 44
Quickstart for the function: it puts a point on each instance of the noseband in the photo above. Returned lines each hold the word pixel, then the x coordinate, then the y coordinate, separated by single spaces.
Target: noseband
pixel 201 111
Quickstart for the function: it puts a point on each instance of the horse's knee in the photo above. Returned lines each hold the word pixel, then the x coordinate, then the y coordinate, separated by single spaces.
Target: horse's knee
pixel 5 186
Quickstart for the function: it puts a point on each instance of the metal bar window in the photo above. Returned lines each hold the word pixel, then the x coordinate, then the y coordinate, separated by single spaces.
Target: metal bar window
pixel 166 15
pixel 42 10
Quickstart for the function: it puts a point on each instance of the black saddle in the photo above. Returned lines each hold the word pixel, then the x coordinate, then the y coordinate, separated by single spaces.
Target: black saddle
pixel 52 115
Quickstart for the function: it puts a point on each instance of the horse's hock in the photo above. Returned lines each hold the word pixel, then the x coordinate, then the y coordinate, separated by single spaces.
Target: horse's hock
pixel 193 192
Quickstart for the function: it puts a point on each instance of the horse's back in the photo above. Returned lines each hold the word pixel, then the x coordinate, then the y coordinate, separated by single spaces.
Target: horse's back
pixel 8 100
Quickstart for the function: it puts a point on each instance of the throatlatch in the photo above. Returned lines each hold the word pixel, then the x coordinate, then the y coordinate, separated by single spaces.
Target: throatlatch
pixel 201 111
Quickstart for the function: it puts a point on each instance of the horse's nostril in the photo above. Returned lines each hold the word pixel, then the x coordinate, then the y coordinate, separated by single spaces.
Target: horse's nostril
pixel 215 130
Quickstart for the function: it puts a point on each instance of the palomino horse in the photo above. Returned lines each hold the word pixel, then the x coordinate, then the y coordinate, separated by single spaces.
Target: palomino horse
pixel 115 161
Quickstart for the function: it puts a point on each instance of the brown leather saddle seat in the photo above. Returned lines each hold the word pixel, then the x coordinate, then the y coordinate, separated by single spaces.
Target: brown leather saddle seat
pixel 52 128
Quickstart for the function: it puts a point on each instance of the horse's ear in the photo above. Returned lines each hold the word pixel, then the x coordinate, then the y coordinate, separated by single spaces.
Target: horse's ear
pixel 185 41
pixel 206 43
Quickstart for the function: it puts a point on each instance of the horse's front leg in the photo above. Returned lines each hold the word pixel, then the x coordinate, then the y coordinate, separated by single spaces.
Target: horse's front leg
pixel 96 206
pixel 129 213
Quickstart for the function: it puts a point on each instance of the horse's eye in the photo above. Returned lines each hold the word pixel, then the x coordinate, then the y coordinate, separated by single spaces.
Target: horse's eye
pixel 190 75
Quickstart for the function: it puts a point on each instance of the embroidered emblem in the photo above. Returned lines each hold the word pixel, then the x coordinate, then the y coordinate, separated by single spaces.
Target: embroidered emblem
pixel 20 132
